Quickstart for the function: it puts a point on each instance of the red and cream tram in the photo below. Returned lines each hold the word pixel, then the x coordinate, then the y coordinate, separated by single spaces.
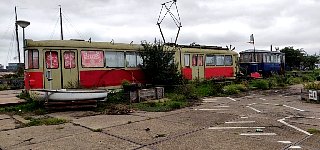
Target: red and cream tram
pixel 57 64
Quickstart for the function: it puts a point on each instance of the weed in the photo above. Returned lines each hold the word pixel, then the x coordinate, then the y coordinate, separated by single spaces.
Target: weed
pixel 3 87
pixel 97 130
pixel 313 131
pixel 45 121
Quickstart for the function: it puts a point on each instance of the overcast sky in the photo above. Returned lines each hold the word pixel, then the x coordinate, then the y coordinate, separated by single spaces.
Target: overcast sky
pixel 206 22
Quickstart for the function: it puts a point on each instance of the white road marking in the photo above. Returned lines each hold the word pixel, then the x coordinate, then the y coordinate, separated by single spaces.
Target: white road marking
pixel 295 147
pixel 258 111
pixel 250 134
pixel 241 122
pixel 210 99
pixel 209 109
pixel 294 127
pixel 293 108
pixel 285 142
pixel 220 128
pixel 252 104
pixel 206 101
pixel 222 106
pixel 244 117
pixel 231 99
pixel 262 99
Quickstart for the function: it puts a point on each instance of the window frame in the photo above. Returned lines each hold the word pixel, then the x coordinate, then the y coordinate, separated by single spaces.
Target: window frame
pixel 26 60
pixel 136 59
pixel 184 60
pixel 225 62
pixel 64 60
pixel 46 66
pixel 114 51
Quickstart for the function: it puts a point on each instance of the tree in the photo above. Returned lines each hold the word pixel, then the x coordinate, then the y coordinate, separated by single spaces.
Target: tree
pixel 309 61
pixel 293 57
pixel 158 66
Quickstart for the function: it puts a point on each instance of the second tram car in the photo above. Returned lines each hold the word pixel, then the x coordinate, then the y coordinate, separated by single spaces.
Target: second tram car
pixel 58 64
pixel 263 62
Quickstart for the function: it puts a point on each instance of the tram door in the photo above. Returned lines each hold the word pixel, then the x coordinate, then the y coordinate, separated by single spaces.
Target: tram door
pixel 52 69
pixel 197 66
pixel 70 76
pixel 60 69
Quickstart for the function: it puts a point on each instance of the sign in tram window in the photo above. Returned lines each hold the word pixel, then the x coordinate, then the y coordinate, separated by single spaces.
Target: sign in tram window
pixel 228 60
pixel 92 59
pixel 32 59
pixel 200 60
pixel 114 59
pixel 194 60
pixel 52 61
pixel 69 60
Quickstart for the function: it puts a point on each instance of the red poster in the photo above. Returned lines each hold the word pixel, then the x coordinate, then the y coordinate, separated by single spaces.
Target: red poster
pixel 200 60
pixel 52 61
pixel 69 60
pixel 92 58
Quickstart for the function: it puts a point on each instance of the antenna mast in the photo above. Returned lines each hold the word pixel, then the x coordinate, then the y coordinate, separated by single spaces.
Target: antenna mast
pixel 61 23
pixel 17 35
pixel 176 20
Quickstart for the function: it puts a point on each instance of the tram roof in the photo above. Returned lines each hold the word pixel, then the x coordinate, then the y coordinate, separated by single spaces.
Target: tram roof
pixel 260 51
pixel 81 44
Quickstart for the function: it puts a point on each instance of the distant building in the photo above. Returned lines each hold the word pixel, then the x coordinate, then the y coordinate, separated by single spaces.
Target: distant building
pixel 13 66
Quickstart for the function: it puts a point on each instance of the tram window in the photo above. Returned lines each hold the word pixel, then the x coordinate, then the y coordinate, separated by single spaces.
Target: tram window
pixel 187 60
pixel 228 60
pixel 246 57
pixel 219 60
pixel 114 59
pixel 194 60
pixel 92 59
pixel 200 60
pixel 139 60
pixel 131 59
pixel 259 57
pixel 32 59
pixel 52 61
pixel 69 60
pixel 210 60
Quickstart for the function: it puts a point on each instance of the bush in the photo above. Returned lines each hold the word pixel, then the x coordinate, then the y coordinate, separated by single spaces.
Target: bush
pixel 234 89
pixel 294 80
pixel 260 84
pixel 312 86
pixel 3 87
pixel 308 78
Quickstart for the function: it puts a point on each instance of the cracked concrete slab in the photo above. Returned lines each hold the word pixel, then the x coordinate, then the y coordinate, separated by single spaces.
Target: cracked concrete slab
pixel 149 131
pixel 105 121
pixel 83 141
pixel 36 134
pixel 7 124
pixel 3 116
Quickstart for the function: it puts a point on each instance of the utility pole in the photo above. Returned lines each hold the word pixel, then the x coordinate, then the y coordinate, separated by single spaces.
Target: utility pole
pixel 17 35
pixel 61 23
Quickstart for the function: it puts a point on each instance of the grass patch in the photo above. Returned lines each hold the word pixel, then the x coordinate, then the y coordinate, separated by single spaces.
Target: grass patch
pixel 29 107
pixel 160 106
pixel 313 131
pixel 312 86
pixel 45 121
pixel 260 84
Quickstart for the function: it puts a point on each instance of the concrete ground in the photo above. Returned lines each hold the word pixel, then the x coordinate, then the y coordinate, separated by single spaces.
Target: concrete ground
pixel 265 120
pixel 8 97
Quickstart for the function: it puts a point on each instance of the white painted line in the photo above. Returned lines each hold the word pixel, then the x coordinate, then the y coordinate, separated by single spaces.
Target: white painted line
pixel 262 99
pixel 241 122
pixel 253 134
pixel 266 103
pixel 244 117
pixel 232 99
pixel 258 111
pixel 294 127
pixel 295 147
pixel 210 99
pixel 222 106
pixel 220 128
pixel 293 108
pixel 252 104
pixel 208 109
pixel 285 142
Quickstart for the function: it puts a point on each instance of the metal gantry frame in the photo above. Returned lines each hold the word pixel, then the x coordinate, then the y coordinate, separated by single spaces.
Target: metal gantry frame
pixel 176 19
